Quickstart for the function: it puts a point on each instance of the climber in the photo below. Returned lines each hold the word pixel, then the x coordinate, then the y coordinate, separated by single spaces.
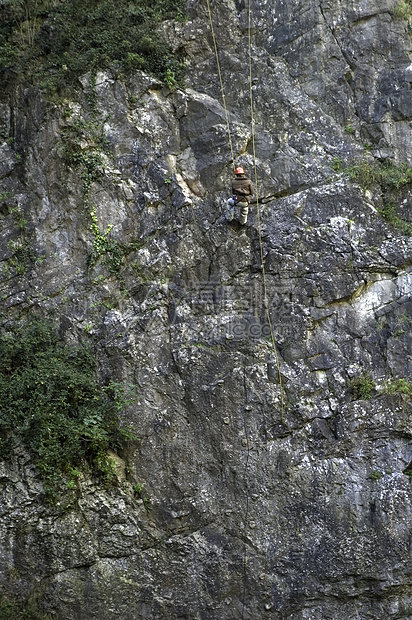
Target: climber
pixel 242 188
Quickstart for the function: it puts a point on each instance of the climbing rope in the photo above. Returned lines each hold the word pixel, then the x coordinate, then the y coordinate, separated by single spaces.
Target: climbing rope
pixel 261 258
pixel 246 512
pixel 221 83
pixel 258 216
pixel 256 180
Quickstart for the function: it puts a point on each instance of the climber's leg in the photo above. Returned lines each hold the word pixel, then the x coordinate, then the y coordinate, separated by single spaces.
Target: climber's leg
pixel 244 206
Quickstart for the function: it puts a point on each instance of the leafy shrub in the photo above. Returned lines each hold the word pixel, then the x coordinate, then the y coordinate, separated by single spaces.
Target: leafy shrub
pixel 56 42
pixel 394 176
pixel 105 247
pixel 51 402
pixel 363 386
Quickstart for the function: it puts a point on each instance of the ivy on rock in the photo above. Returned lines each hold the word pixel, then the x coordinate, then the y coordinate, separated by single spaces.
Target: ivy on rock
pixel 52 404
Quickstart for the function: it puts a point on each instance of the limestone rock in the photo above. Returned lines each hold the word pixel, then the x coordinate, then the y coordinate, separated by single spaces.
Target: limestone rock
pixel 270 491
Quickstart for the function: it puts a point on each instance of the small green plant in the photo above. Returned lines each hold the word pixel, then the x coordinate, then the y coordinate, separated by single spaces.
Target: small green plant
pixel 337 164
pixel 132 101
pixel 363 386
pixel 408 471
pixel 349 130
pixel 389 214
pixel 22 256
pixel 138 489
pixel 403 387
pixel 147 504
pixel 104 246
pixel 40 259
pixel 51 402
pixel 100 239
pixel 75 475
pixel 21 221
pixel 4 196
pixel 391 178
pixel 399 332
pixel 375 475
pixel 363 172
pixel 403 10
pixel 170 79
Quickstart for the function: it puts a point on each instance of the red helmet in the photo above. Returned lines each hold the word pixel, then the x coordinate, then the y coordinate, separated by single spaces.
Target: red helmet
pixel 239 170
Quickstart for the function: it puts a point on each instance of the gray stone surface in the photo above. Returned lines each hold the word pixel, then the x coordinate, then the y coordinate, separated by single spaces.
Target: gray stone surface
pixel 303 514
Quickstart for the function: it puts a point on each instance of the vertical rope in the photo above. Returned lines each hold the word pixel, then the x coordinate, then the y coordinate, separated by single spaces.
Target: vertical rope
pixel 246 513
pixel 221 83
pixel 261 258
pixel 258 215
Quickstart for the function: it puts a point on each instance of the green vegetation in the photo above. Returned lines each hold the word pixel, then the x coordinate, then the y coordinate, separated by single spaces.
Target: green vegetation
pixel 349 130
pixel 85 148
pixel 53 42
pixel 51 402
pixel 22 257
pixel 389 214
pixel 105 246
pixel 403 10
pixel 403 387
pixel 84 145
pixel 24 611
pixel 337 164
pixel 375 475
pixel 368 173
pixel 4 196
pixel 389 176
pixel 110 251
pixel 364 172
pixel 363 386
pixel 21 252
pixel 21 221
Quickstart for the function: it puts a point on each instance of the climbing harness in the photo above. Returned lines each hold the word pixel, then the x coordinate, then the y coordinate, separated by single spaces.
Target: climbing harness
pixel 256 179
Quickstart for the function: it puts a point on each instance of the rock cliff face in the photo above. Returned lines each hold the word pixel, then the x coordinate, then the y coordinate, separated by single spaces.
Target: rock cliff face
pixel 253 511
